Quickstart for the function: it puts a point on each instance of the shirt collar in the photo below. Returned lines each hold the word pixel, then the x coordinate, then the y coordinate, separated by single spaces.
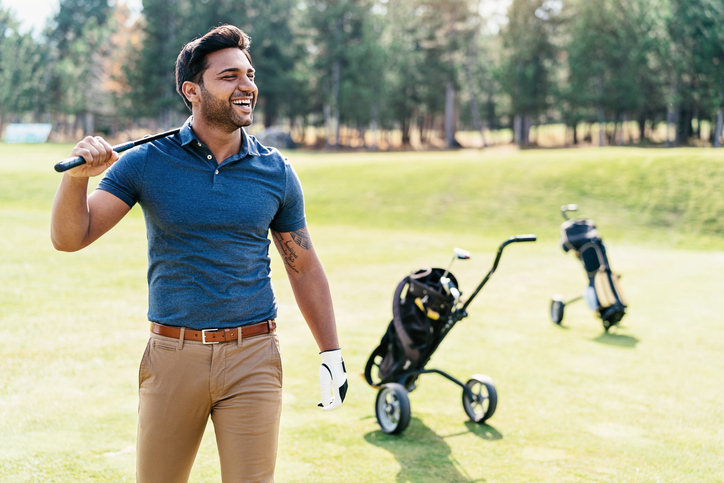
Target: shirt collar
pixel 248 143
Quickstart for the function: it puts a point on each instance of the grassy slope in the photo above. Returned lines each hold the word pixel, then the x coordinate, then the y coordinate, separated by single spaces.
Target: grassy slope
pixel 668 196
pixel 640 404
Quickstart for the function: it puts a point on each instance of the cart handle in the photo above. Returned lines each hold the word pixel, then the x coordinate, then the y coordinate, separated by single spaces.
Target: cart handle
pixel 566 208
pixel 512 239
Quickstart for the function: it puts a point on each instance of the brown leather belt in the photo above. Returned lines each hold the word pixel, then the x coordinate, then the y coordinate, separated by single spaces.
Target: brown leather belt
pixel 214 336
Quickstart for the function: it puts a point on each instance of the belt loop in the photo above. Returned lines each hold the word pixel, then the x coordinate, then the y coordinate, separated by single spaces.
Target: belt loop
pixel 181 338
pixel 239 338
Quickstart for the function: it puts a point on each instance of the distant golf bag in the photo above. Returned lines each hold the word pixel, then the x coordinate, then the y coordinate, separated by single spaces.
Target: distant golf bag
pixel 603 294
pixel 425 307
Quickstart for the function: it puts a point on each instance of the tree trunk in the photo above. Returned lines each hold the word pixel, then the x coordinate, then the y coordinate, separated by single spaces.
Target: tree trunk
pixel 718 131
pixel 336 73
pixel 89 125
pixel 405 127
pixel 374 122
pixel 327 110
pixel 677 137
pixel 474 110
pixel 601 125
pixel 518 130
pixel 683 126
pixel 599 111
pixel 671 114
pixel 449 115
pixel 697 132
pixel 669 121
pixel 642 127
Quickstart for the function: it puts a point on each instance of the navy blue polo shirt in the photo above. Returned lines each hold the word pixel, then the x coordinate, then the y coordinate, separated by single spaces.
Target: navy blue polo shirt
pixel 207 226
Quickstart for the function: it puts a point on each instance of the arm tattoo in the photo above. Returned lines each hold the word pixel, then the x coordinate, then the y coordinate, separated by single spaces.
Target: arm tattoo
pixel 301 238
pixel 287 248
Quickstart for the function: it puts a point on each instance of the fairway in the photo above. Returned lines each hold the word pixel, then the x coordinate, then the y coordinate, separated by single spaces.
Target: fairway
pixel 639 404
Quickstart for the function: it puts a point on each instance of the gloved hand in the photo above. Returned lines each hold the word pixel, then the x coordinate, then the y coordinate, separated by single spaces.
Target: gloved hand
pixel 332 380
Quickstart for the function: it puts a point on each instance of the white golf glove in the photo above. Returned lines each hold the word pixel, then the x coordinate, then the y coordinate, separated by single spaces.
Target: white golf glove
pixel 332 380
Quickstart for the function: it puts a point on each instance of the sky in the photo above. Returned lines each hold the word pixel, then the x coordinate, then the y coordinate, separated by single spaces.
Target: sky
pixel 33 14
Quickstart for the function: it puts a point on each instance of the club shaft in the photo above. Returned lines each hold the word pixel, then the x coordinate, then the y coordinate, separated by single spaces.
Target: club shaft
pixel 73 162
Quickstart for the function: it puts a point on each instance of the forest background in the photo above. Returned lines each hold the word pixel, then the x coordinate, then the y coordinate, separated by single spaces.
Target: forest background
pixel 388 74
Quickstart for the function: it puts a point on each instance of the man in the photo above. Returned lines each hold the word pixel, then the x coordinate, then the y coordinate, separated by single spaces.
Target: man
pixel 210 195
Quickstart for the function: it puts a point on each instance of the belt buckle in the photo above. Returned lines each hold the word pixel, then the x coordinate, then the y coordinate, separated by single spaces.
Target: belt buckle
pixel 203 336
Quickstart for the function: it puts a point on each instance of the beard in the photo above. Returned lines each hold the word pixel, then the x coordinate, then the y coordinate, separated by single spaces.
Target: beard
pixel 221 113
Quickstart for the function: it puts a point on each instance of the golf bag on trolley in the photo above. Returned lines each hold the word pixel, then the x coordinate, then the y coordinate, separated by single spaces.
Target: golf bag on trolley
pixel 603 293
pixel 420 308
pixel 425 307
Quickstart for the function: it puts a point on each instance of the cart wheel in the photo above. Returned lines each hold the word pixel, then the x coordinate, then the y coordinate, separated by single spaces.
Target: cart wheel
pixel 606 324
pixel 557 307
pixel 485 398
pixel 392 408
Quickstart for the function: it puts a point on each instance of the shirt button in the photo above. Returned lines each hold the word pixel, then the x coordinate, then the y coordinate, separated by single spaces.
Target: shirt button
pixel 199 144
pixel 216 172
pixel 209 157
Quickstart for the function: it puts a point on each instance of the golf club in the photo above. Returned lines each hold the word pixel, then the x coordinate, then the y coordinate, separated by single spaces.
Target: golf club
pixel 70 163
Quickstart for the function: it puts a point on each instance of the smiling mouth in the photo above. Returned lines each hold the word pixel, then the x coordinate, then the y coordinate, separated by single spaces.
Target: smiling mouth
pixel 246 102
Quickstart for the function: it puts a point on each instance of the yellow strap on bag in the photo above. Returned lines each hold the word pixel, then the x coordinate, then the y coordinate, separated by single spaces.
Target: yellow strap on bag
pixel 606 289
pixel 430 313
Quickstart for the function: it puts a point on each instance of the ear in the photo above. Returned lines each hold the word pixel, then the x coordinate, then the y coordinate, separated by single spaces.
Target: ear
pixel 191 91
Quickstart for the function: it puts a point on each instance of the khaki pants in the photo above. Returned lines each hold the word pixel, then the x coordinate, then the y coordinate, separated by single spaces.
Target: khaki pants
pixel 182 383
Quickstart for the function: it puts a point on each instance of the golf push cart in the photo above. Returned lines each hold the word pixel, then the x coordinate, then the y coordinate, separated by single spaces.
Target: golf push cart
pixel 425 307
pixel 603 293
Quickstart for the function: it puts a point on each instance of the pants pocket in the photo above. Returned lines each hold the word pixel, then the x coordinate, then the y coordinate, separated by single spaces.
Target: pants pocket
pixel 143 369
pixel 163 345
pixel 276 354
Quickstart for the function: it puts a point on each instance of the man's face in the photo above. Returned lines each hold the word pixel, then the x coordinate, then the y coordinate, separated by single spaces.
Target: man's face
pixel 228 93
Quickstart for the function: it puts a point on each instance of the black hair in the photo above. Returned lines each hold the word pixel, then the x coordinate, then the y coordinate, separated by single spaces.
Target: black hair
pixel 191 62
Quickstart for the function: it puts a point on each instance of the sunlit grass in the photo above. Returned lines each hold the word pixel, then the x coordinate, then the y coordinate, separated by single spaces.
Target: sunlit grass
pixel 642 403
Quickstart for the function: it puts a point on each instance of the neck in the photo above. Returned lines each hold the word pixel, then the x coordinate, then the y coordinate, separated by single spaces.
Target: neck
pixel 222 143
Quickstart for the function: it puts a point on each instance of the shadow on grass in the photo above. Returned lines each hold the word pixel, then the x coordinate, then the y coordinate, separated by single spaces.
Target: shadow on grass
pixel 484 431
pixel 423 455
pixel 618 340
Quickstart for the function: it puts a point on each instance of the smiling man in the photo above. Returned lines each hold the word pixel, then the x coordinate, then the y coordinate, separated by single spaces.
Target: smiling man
pixel 210 195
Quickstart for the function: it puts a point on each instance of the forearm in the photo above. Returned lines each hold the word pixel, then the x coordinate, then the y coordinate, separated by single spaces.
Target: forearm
pixel 311 291
pixel 70 217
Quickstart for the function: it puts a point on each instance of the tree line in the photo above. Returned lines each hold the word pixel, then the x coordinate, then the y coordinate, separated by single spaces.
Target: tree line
pixel 364 71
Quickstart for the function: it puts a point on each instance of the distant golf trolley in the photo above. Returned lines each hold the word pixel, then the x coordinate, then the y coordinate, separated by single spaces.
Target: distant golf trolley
pixel 603 292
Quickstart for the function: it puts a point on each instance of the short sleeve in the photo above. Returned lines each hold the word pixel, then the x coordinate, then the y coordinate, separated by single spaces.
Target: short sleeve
pixel 290 216
pixel 124 177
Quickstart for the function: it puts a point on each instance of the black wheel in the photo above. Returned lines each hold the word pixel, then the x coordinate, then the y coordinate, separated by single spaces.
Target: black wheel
pixel 557 307
pixel 485 398
pixel 392 408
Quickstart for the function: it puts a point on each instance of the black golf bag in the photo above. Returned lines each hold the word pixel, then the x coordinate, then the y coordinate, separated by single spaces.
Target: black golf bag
pixel 603 294
pixel 420 310
pixel 425 307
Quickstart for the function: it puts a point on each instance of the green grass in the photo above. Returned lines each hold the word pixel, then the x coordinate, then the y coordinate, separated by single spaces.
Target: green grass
pixel 641 404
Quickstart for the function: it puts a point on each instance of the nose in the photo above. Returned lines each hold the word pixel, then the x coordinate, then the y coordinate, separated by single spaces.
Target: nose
pixel 247 85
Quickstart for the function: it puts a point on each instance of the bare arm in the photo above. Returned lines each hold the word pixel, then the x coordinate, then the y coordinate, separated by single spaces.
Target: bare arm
pixel 77 220
pixel 309 284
